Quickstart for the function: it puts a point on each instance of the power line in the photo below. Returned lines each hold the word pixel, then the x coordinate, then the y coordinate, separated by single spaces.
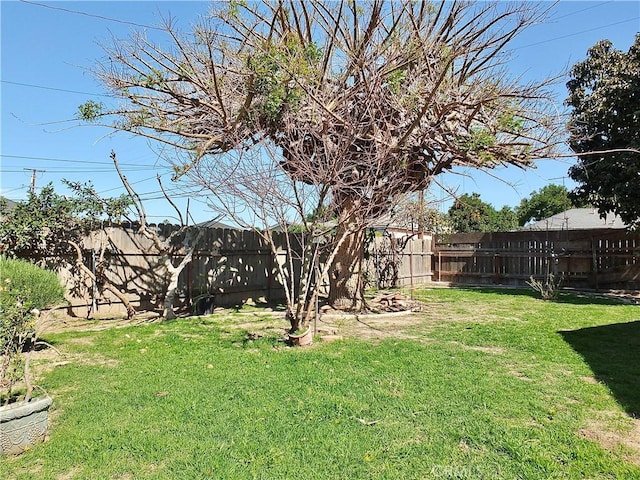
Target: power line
pixel 101 17
pixel 176 192
pixel 61 172
pixel 31 85
pixel 581 10
pixel 121 187
pixel 65 160
pixel 577 33
pixel 14 189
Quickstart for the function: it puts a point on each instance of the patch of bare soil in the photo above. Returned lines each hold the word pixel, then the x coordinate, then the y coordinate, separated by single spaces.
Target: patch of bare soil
pixel 61 322
pixel 625 442
pixel 47 359
pixel 391 315
pixel 371 326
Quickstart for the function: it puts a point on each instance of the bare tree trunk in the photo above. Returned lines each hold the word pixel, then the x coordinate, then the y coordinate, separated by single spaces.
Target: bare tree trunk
pixel 346 286
pixel 27 373
pixel 191 241
pixel 164 245
pixel 168 313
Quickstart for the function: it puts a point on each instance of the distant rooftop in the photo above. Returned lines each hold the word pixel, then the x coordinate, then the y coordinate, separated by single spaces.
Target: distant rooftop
pixel 215 224
pixel 577 219
pixel 10 204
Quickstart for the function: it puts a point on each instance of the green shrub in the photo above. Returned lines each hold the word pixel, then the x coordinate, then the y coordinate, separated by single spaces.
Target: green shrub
pixel 24 290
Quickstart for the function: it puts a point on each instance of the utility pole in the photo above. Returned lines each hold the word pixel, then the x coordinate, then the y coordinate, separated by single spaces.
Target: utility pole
pixel 34 171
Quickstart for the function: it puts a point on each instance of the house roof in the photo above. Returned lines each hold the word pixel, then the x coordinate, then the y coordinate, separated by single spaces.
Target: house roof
pixel 9 204
pixel 215 224
pixel 577 219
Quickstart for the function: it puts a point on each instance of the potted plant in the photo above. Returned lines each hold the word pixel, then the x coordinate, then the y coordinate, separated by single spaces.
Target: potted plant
pixel 24 290
pixel 302 336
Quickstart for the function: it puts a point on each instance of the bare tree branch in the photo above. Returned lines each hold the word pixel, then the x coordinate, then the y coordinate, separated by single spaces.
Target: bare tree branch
pixel 334 110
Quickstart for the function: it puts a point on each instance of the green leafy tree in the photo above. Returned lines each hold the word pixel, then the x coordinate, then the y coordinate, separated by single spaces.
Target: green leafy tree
pixel 48 220
pixel 604 95
pixel 470 214
pixel 544 203
pixel 504 220
pixel 50 227
pixel 31 226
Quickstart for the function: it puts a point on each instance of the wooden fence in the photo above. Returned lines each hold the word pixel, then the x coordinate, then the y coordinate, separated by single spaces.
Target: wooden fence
pixel 400 261
pixel 594 259
pixel 228 268
pixel 231 267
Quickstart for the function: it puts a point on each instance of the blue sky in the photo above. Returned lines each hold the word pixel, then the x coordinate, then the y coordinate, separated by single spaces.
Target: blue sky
pixel 48 48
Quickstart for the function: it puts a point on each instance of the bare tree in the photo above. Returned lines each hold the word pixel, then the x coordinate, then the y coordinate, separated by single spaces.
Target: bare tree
pixel 290 211
pixel 175 255
pixel 359 101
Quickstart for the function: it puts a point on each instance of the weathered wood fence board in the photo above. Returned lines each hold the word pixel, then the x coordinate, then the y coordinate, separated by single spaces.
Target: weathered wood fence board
pixel 230 267
pixel 600 259
pixel 390 263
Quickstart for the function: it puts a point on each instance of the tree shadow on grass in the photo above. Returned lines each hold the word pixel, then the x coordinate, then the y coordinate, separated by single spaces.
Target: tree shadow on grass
pixel 612 352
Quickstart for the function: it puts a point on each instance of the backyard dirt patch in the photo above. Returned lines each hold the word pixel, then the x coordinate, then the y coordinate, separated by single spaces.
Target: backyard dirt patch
pixel 394 323
pixel 626 442
pixel 369 326
pixel 59 321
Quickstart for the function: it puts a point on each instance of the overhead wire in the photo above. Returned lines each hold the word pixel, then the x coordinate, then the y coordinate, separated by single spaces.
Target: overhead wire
pixel 156 194
pixel 100 17
pixel 66 160
pixel 576 12
pixel 15 189
pixel 56 89
pixel 63 172
pixel 634 19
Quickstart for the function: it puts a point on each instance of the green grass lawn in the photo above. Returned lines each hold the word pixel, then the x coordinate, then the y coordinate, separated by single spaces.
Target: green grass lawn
pixel 481 385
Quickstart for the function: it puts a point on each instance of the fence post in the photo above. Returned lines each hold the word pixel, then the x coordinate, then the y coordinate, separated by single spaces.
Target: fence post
pixel 595 262
pixel 411 265
pixel 94 285
pixel 270 274
pixel 189 288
